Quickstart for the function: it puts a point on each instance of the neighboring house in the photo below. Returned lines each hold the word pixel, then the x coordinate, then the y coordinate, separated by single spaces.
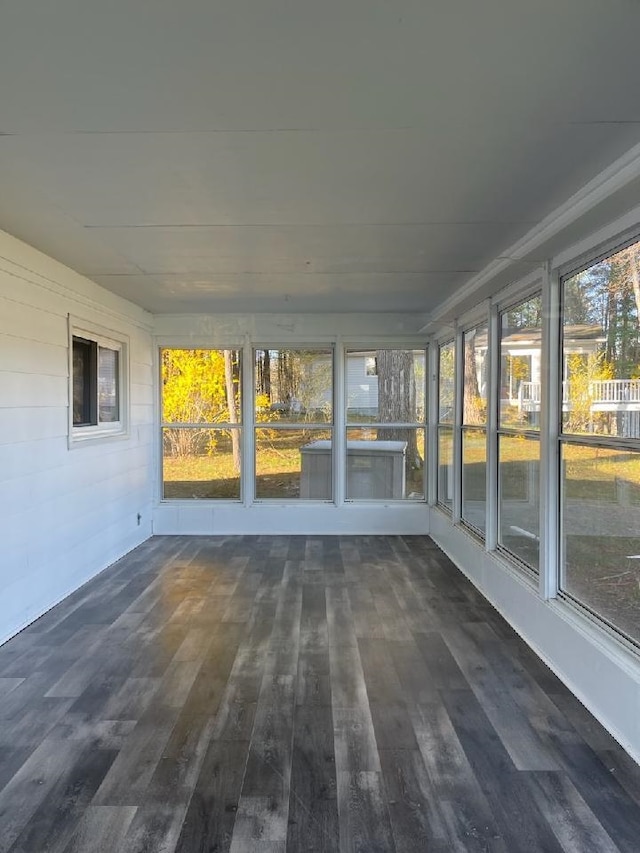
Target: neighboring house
pixel 521 369
pixel 362 383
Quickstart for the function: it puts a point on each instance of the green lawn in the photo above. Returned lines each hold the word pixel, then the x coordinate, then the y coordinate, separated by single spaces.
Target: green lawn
pixel 212 475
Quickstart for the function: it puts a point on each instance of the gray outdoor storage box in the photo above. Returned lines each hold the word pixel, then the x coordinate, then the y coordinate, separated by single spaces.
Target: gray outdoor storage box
pixel 375 469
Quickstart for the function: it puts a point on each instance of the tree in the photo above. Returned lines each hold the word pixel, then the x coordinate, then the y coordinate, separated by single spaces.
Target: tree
pixel 397 400
pixel 474 406
pixel 231 405
pixel 199 386
pixel 263 373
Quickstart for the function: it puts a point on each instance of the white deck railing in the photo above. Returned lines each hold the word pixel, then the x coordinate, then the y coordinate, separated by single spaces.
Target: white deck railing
pixel 602 392
pixel 615 391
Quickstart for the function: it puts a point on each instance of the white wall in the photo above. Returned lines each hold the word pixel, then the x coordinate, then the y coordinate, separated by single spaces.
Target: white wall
pixel 65 514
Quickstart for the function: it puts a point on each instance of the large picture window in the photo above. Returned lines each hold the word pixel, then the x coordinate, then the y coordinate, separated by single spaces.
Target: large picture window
pixel 600 439
pixel 518 431
pixel 385 441
pixel 293 424
pixel 98 384
pixel 201 423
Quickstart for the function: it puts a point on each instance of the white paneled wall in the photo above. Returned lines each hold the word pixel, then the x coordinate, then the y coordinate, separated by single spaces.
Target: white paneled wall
pixel 65 514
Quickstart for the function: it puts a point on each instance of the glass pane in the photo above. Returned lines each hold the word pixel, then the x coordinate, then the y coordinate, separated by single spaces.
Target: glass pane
pixel 476 364
pixel 108 381
pixel 518 486
pixel 520 348
pixel 601 347
pixel 83 398
pixel 446 383
pixel 445 466
pixel 474 477
pixel 385 464
pixel 201 463
pixel 385 386
pixel 294 385
pixel 201 386
pixel 601 532
pixel 294 463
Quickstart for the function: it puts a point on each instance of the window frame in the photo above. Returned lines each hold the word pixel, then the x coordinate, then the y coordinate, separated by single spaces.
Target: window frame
pixel 446 427
pixel 212 426
pixel 481 321
pixel 420 426
pixel 98 337
pixel 255 426
pixel 566 438
pixel 519 296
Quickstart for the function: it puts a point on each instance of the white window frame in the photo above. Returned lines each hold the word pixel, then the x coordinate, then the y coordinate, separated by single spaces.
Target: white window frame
pixel 479 318
pixel 532 287
pixel 448 425
pixel 83 434
pixel 253 426
pixel 357 346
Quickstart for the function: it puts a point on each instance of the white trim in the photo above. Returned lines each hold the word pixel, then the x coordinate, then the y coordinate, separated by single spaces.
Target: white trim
pixel 493 406
pixel 622 231
pixel 247 468
pixel 432 424
pixel 520 291
pixel 551 381
pixel 476 316
pixel 339 444
pixel 615 177
pixel 275 517
pixel 456 505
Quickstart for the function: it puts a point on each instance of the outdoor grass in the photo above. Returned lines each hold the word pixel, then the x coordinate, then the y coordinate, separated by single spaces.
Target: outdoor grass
pixel 278 463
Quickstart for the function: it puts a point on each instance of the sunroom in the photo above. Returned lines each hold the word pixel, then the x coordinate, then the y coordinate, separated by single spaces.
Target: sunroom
pixel 327 271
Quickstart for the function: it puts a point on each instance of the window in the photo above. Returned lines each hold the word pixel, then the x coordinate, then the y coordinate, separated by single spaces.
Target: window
pixel 474 427
pixel 293 405
pixel 446 418
pixel 201 423
pixel 385 439
pixel 98 388
pixel 518 432
pixel 600 440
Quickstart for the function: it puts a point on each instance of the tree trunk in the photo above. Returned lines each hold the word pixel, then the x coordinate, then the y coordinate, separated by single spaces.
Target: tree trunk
pixel 472 404
pixel 233 412
pixel 265 386
pixel 397 400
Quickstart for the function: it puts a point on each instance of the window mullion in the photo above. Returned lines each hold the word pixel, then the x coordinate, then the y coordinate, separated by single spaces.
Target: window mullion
pixel 248 466
pixel 339 424
pixel 457 427
pixel 493 406
pixel 549 422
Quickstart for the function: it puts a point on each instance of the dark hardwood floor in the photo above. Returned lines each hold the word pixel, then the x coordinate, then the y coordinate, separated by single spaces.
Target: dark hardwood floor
pixel 300 694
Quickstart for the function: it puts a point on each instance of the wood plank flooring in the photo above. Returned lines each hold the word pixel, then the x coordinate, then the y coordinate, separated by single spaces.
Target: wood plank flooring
pixel 307 694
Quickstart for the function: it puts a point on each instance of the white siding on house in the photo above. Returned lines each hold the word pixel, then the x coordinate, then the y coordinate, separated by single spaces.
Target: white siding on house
pixel 65 514
pixel 362 390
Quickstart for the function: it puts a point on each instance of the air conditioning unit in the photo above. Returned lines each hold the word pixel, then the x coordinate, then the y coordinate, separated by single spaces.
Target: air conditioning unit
pixel 375 470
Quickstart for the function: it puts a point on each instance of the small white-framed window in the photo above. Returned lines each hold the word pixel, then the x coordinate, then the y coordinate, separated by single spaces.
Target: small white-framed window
pixel 370 365
pixel 97 382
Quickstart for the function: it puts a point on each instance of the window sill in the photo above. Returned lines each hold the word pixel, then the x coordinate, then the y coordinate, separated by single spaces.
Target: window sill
pixel 91 435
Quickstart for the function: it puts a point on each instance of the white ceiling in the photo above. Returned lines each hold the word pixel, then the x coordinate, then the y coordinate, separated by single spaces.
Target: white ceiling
pixel 281 156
